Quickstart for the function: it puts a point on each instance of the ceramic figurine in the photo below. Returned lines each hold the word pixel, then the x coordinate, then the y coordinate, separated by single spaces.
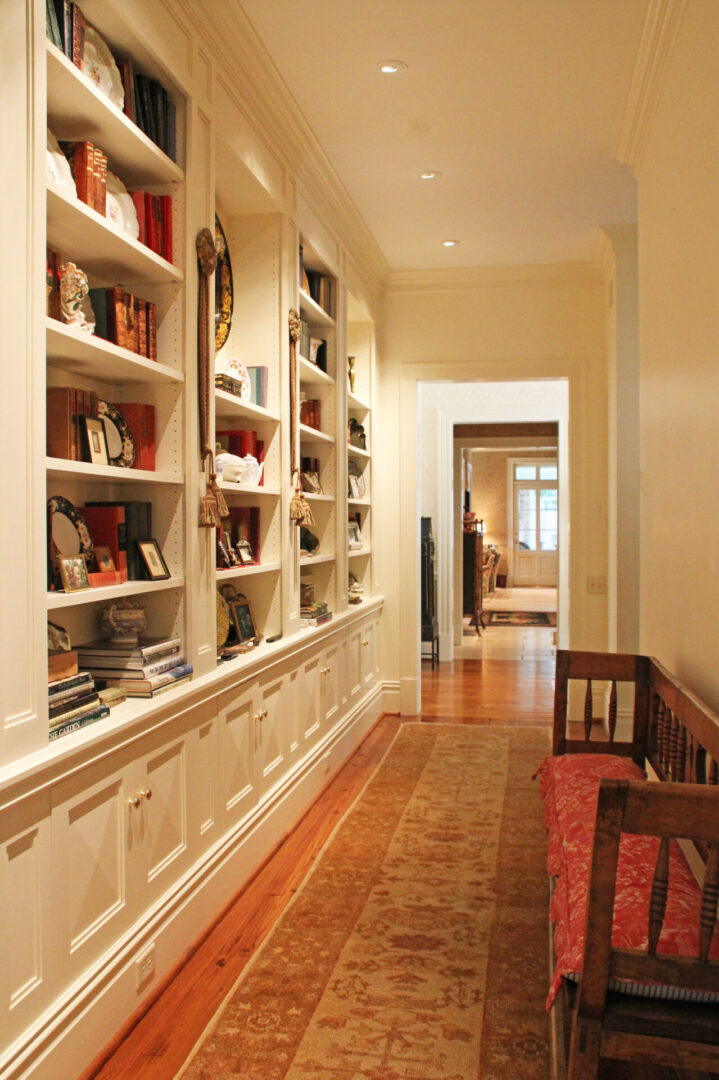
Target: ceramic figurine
pixel 73 293
pixel 124 622
pixel 351 372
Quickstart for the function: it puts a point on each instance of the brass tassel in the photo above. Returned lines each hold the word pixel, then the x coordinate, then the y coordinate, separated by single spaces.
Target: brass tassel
pixel 222 509
pixel 297 503
pixel 209 517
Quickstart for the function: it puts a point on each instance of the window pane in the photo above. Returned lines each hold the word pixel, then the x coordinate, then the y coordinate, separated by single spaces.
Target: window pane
pixel 525 472
pixel 527 519
pixel 547 472
pixel 548 519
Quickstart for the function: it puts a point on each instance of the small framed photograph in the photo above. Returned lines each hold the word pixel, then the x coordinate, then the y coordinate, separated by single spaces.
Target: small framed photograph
pixel 73 572
pixel 243 620
pixel 244 552
pixel 95 440
pixel 223 556
pixel 104 559
pixel 353 492
pixel 311 483
pixel 155 565
pixel 354 536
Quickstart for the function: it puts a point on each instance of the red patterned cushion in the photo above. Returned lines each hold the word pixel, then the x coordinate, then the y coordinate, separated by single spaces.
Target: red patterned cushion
pixel 569 786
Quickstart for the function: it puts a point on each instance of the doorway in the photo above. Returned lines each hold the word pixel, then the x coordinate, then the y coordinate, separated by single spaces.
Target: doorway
pixel 429 413
pixel 533 527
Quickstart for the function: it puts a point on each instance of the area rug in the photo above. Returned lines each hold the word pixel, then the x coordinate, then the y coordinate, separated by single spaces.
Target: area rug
pixel 416 947
pixel 521 618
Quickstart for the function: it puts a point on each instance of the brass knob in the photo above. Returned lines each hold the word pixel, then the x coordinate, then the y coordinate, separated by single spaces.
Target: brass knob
pixel 146 794
pixel 259 717
pixel 365 643
pixel 264 713
pixel 134 802
pixel 324 671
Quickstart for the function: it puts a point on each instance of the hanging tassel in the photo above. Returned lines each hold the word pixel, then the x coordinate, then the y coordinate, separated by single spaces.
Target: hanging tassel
pixel 209 517
pixel 297 512
pixel 216 490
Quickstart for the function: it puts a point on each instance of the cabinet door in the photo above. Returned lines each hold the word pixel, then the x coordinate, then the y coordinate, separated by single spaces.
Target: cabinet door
pixel 161 818
pixel 369 660
pixel 236 750
pixel 309 698
pixel 329 686
pixel 354 663
pixel 97 860
pixel 271 723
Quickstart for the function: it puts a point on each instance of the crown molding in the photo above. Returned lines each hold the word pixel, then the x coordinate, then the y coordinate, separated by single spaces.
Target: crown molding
pixel 262 95
pixel 661 25
pixel 547 274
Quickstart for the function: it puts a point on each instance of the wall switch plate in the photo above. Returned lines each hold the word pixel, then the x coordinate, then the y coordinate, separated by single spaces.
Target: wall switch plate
pixel 597 585
pixel 145 966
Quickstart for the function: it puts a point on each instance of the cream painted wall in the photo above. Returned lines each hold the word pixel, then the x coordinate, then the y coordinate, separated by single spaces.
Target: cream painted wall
pixel 515 323
pixel 679 347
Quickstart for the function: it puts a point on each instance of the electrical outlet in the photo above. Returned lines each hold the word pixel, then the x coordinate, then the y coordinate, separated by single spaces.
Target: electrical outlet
pixel 145 966
pixel 597 585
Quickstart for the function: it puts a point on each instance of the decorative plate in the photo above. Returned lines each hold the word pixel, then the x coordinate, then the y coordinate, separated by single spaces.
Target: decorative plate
pixel 58 168
pixel 100 67
pixel 223 620
pixel 223 288
pixel 120 443
pixel 237 371
pixel 69 531
pixel 120 209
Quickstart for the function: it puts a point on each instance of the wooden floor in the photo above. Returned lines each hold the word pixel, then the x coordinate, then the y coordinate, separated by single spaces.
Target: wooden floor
pixel 154 1046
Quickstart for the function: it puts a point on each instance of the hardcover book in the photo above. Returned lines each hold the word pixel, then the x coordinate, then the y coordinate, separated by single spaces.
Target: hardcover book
pixel 107 528
pixel 147 646
pixel 137 526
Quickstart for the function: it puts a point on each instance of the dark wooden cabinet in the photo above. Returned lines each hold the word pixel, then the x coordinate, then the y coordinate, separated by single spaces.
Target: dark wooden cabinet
pixel 430 627
pixel 473 558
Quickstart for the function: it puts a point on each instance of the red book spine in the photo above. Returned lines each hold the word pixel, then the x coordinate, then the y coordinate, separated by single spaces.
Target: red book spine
pixel 100 182
pixel 78 35
pixel 149 222
pixel 167 226
pixel 151 330
pixel 141 318
pixel 260 459
pixel 82 164
pixel 138 198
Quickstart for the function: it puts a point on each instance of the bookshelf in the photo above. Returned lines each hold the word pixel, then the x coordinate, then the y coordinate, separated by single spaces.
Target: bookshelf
pixel 97 369
pixel 360 346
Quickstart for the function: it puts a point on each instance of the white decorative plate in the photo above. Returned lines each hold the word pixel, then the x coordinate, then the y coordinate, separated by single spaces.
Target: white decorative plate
pixel 100 67
pixel 119 207
pixel 59 172
pixel 237 371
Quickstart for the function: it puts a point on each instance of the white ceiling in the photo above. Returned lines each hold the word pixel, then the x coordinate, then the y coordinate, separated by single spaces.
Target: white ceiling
pixel 517 102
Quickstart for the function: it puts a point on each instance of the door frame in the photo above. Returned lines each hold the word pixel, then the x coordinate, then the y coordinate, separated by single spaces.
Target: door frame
pixel 511 462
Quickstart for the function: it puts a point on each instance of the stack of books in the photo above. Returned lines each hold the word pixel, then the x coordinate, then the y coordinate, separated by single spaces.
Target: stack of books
pixel 88 165
pixel 72 703
pixel 143 670
pixel 125 320
pixel 154 219
pixel 315 614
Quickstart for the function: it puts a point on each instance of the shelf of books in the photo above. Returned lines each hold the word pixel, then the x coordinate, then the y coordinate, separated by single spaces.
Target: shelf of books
pixel 360 348
pixel 248 438
pixel 318 428
pixel 114 336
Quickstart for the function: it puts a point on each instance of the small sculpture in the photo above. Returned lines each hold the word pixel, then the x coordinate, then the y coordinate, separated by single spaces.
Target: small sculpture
pixel 123 622
pixel 351 372
pixel 73 292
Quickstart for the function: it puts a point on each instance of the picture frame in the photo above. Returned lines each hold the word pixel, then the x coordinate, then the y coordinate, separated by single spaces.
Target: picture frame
pixel 244 552
pixel 104 559
pixel 354 536
pixel 73 573
pixel 353 492
pixel 223 556
pixel 354 471
pixel 95 441
pixel 243 619
pixel 311 483
pixel 155 565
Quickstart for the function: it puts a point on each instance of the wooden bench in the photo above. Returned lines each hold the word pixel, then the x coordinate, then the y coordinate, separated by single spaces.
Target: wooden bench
pixel 676 739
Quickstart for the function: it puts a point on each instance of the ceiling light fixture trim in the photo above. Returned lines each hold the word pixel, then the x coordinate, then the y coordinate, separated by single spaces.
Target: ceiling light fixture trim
pixel 392 67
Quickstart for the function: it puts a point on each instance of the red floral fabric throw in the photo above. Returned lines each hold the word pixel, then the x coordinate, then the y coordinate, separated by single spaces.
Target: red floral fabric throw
pixel 569 786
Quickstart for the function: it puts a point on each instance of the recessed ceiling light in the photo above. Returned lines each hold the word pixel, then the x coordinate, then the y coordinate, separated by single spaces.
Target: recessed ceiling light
pixel 392 67
pixel 450 243
pixel 430 174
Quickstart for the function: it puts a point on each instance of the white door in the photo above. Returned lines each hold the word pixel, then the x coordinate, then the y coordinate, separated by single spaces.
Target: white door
pixel 536 521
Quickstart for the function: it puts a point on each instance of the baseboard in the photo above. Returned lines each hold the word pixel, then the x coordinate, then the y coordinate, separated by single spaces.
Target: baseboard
pixel 85 1017
pixel 390 696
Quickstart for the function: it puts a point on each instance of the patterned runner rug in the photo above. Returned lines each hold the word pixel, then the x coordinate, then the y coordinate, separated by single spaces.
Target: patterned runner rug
pixel 416 948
